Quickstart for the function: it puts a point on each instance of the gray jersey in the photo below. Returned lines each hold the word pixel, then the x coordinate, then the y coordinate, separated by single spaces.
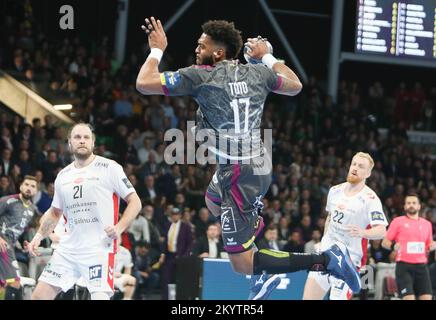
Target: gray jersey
pixel 230 98
pixel 14 217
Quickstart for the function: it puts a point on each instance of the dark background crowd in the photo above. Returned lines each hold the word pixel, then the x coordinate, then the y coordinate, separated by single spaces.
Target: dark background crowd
pixel 314 140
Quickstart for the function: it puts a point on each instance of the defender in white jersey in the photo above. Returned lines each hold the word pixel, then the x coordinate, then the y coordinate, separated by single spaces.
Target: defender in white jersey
pixel 355 215
pixel 87 194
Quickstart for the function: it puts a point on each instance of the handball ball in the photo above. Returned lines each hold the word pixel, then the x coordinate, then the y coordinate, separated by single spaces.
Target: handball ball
pixel 252 60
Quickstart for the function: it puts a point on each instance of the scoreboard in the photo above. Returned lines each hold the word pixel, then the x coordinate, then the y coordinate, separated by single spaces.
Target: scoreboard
pixel 399 29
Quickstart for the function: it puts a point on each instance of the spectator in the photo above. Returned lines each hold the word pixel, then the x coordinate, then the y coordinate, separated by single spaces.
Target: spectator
pixel 377 253
pixel 270 239
pixel 211 245
pixel 145 266
pixel 294 244
pixel 202 222
pixel 6 162
pixel 6 187
pixel 178 243
pixel 123 278
pixel 314 245
pixel 43 199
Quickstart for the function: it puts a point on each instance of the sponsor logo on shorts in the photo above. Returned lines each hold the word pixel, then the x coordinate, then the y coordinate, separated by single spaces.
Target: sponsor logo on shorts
pixel 127 183
pixel 110 272
pixel 230 242
pixel 376 215
pixel 51 272
pixel 95 272
pixel 228 223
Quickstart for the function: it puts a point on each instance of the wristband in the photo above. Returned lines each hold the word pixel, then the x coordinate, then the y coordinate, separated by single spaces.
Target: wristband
pixel 393 246
pixel 156 53
pixel 269 60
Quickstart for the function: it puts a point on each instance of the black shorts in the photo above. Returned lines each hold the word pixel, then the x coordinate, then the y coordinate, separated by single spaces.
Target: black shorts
pixel 238 189
pixel 413 279
pixel 8 265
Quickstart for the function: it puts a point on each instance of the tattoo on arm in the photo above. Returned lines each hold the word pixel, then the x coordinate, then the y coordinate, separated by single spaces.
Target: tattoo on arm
pixel 47 226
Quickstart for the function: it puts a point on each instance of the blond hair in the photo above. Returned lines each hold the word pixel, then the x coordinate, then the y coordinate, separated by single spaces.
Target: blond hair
pixel 368 157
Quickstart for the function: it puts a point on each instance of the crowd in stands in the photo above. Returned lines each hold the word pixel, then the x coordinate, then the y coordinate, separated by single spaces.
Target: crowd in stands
pixel 314 140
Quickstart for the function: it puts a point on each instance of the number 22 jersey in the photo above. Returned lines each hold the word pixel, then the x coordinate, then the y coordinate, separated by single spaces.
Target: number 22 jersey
pixel 363 210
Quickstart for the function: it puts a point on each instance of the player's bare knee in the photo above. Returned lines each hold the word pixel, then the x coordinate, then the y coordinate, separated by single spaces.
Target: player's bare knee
pixel 132 281
pixel 100 296
pixel 242 268
pixel 38 295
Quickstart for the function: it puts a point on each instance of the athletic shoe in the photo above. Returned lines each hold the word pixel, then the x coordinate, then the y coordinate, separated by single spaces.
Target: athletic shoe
pixel 341 266
pixel 262 285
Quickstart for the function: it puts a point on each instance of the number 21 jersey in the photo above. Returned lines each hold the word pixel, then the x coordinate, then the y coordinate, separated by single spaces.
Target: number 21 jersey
pixel 89 199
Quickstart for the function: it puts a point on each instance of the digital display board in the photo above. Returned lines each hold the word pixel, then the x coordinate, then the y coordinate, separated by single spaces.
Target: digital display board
pixel 402 29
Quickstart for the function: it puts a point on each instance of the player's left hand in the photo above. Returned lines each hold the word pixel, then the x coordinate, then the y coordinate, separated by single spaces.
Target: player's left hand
pixel 111 232
pixel 258 47
pixel 156 34
pixel 433 246
pixel 354 231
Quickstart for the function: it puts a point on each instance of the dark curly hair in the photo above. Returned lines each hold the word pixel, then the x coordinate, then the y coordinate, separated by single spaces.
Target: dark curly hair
pixel 224 33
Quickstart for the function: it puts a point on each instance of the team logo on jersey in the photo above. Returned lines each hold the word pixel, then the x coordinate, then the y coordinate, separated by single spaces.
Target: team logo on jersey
pixel 371 196
pixel 172 79
pixel 376 215
pixel 78 180
pixel 95 272
pixel 342 206
pixel 127 183
pixel 228 223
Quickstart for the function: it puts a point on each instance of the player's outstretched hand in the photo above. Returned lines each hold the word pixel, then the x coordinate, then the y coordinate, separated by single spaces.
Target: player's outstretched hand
pixel 258 47
pixel 156 34
pixel 32 247
pixel 111 232
pixel 354 231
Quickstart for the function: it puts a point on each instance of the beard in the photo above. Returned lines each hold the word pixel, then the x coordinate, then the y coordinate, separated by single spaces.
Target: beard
pixel 82 155
pixel 353 179
pixel 412 211
pixel 208 60
pixel 26 196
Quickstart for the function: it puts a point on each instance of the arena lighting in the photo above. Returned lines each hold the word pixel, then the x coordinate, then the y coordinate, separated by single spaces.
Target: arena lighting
pixel 63 106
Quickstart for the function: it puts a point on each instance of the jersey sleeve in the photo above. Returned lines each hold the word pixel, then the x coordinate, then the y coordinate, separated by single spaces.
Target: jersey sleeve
pixel 329 203
pixel 272 79
pixel 3 207
pixel 392 232
pixel 121 183
pixel 183 82
pixel 57 200
pixel 375 213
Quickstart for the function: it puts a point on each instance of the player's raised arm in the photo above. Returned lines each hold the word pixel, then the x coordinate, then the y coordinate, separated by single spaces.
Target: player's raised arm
pixel 289 83
pixel 148 80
